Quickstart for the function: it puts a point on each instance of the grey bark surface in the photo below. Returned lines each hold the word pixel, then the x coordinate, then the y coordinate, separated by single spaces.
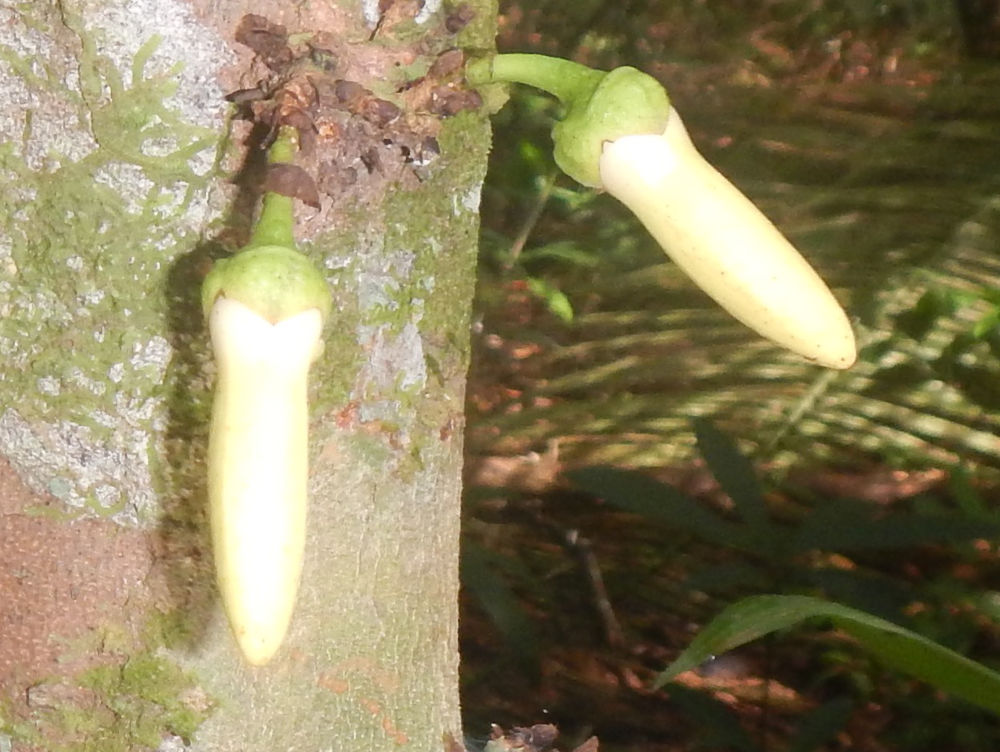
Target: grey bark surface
pixel 121 166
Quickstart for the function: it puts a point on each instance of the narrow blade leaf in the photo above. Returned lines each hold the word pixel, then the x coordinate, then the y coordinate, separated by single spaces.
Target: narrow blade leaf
pixel 734 472
pixel 658 502
pixel 896 646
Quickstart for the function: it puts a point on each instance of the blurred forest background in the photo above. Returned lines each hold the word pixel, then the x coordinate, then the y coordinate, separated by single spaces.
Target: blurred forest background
pixel 870 133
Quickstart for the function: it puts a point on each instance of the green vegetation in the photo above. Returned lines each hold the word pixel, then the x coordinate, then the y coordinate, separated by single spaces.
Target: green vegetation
pixel 862 501
pixel 118 705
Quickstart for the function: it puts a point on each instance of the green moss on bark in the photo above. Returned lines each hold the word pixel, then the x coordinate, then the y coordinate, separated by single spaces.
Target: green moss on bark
pixel 378 598
pixel 132 700
pixel 90 226
pixel 404 314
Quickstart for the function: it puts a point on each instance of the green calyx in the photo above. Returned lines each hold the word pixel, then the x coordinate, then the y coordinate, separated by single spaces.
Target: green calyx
pixel 268 275
pixel 600 106
pixel 275 281
pixel 626 102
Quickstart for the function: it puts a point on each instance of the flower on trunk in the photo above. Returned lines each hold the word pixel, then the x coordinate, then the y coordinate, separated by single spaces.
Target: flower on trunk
pixel 621 133
pixel 725 244
pixel 265 308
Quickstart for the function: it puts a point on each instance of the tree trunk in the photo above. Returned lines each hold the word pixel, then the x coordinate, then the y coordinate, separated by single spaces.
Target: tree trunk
pixel 124 177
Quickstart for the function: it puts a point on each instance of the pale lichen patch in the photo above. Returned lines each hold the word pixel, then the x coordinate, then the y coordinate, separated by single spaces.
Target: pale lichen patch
pixel 85 465
pixel 91 230
pixel 76 377
pixel 472 197
pixel 154 354
pixel 395 360
pixel 89 298
pixel 116 175
pixel 49 385
pixel 370 12
pixel 380 278
pixel 427 11
pixel 37 79
pixel 467 202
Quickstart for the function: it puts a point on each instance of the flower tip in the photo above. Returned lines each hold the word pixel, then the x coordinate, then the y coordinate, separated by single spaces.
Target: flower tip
pixel 835 350
pixel 259 648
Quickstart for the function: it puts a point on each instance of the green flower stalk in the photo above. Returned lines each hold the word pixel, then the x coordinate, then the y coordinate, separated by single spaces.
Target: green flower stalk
pixel 265 308
pixel 621 133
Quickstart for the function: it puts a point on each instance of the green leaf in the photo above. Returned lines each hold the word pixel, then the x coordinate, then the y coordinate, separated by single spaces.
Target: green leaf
pixel 561 250
pixel 634 492
pixel 534 157
pixel 966 496
pixel 822 725
pixel 716 725
pixel 900 648
pixel 921 319
pixel 845 525
pixel 987 324
pixel 734 472
pixel 480 576
pixel 554 298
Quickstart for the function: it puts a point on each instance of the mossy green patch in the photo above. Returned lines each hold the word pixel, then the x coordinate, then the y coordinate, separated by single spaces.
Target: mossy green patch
pixel 146 696
pixel 408 285
pixel 479 33
pixel 91 242
pixel 127 121
pixel 122 705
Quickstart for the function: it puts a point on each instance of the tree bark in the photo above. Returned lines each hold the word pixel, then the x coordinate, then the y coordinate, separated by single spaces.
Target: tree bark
pixel 124 177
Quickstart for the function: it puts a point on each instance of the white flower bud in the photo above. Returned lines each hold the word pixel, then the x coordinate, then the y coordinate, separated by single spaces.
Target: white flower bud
pixel 257 459
pixel 725 244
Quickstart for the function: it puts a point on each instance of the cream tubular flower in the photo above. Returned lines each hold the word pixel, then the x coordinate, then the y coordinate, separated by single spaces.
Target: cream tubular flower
pixel 258 455
pixel 725 244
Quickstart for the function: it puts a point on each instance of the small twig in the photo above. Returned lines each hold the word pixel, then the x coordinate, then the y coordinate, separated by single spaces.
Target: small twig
pixel 612 627
pixel 572 540
pixel 548 183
